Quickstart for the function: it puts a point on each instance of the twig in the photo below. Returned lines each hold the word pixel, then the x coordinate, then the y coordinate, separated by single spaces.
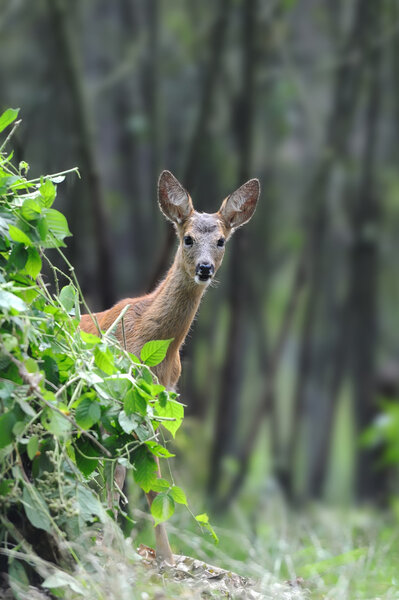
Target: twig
pixel 119 317
pixel 16 125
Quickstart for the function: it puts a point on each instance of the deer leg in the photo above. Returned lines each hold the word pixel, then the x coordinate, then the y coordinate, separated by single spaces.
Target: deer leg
pixel 162 545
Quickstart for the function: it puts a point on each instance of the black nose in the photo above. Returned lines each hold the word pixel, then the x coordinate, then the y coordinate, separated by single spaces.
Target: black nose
pixel 205 270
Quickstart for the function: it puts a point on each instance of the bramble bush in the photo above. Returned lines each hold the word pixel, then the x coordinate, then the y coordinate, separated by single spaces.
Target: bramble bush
pixel 72 405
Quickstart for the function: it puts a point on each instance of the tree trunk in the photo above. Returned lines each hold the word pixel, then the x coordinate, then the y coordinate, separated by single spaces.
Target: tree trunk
pixel 232 373
pixel 346 93
pixel 267 402
pixel 364 280
pixel 84 134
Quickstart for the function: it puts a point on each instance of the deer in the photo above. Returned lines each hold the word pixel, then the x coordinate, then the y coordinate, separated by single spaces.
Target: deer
pixel 169 310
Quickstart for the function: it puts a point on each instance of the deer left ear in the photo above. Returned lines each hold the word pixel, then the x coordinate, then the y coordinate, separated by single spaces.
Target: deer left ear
pixel 239 207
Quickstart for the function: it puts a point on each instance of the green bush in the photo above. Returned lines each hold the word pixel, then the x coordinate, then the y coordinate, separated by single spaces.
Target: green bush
pixel 72 405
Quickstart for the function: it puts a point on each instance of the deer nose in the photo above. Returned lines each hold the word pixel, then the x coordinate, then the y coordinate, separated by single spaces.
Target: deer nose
pixel 205 271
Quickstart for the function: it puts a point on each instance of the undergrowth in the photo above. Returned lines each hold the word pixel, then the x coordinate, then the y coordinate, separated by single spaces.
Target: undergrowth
pixel 72 405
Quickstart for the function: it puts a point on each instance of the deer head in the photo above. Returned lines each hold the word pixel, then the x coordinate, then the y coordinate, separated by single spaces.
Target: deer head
pixel 203 236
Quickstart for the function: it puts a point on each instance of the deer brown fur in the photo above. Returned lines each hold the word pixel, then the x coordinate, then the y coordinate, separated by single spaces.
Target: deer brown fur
pixel 169 310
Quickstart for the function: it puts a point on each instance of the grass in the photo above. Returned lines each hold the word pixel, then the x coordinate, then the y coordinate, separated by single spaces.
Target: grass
pixel 319 553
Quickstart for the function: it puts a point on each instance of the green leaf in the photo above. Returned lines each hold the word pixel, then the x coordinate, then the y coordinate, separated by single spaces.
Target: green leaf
pixel 173 410
pixel 42 228
pixel 203 519
pixel 161 485
pixel 18 579
pixel 47 193
pixel 84 456
pixel 88 413
pixel 158 450
pixel 26 407
pixel 10 342
pixel 18 428
pixel 32 447
pixel 89 504
pixel 148 377
pixel 30 209
pixel 61 579
pixel 55 422
pixel 8 117
pixel 163 398
pixel 19 236
pixel 154 352
pixel 67 297
pixel 162 507
pixel 89 338
pixel 178 495
pixel 127 422
pixel 135 403
pixel 6 486
pixel 57 226
pixel 11 301
pixel 145 469
pixel 36 509
pixel 33 265
pixel 18 258
pixel 144 388
pixel 104 360
pixel 7 422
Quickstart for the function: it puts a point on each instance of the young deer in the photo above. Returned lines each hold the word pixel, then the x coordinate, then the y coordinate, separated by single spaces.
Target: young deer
pixel 169 310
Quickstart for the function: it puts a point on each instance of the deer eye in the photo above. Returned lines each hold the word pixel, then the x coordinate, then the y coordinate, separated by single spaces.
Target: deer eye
pixel 188 240
pixel 221 242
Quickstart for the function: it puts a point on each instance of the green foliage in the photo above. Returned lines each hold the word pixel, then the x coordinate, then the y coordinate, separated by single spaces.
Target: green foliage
pixel 384 433
pixel 72 405
pixel 203 520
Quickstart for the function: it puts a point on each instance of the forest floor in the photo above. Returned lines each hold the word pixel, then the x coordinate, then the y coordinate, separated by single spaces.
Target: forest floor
pixel 318 553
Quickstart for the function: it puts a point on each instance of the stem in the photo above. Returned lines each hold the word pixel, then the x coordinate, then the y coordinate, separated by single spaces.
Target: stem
pixel 16 125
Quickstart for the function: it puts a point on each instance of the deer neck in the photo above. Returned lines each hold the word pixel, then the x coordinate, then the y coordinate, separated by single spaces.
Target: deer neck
pixel 175 303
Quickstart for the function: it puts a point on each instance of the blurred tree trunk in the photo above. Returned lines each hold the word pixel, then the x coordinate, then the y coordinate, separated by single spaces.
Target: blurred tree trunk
pixel 346 94
pixel 364 279
pixel 350 309
pixel 199 135
pixel 88 163
pixel 139 98
pixel 270 362
pixel 232 372
pixel 337 358
pixel 152 88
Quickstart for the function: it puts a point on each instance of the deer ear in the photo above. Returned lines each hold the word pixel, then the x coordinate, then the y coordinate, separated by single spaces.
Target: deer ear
pixel 239 207
pixel 174 201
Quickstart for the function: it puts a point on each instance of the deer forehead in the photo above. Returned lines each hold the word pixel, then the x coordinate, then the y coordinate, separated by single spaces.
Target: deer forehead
pixel 203 225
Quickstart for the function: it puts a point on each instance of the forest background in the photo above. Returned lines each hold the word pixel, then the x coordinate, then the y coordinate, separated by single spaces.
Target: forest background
pixel 291 372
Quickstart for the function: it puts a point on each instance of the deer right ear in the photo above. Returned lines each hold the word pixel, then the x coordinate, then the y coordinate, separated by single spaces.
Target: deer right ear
pixel 174 201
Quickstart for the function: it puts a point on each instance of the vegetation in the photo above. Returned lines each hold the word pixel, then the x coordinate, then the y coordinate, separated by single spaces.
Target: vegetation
pixel 73 405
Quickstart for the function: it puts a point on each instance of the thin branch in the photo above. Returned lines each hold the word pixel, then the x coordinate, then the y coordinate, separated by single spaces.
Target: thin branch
pixel 13 130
